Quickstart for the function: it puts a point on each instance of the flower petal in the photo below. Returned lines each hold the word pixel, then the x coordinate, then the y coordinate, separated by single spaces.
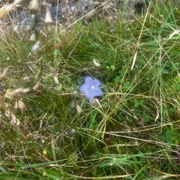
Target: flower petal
pixel 88 79
pixel 96 82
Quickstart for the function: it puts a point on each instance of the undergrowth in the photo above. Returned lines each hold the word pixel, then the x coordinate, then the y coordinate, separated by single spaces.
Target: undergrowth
pixel 49 130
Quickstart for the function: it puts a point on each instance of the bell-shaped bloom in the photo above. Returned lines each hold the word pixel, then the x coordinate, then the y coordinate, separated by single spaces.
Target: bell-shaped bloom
pixel 91 88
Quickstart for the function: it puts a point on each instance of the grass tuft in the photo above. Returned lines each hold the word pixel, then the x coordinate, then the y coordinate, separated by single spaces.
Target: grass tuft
pixel 48 130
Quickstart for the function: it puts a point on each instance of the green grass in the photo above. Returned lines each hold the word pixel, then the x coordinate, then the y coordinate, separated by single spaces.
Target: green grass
pixel 131 132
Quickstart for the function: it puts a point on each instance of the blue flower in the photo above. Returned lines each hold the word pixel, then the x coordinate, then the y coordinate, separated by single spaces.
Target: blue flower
pixel 91 88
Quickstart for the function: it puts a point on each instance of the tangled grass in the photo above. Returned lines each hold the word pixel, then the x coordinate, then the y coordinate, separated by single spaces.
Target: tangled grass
pixel 48 130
